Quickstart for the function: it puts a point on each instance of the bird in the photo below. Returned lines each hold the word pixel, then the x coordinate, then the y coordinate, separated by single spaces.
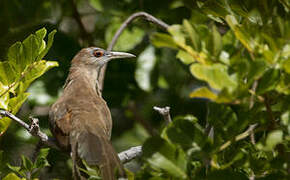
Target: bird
pixel 80 119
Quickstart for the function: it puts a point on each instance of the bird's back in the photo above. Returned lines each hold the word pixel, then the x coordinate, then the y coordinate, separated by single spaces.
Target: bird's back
pixel 81 121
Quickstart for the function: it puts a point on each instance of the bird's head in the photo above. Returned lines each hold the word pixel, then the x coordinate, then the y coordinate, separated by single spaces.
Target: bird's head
pixel 97 57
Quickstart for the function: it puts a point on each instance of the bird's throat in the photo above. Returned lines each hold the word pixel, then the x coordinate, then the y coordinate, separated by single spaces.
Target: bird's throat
pixel 84 75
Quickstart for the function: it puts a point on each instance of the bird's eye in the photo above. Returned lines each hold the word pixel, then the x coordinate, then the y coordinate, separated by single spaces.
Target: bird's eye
pixel 98 53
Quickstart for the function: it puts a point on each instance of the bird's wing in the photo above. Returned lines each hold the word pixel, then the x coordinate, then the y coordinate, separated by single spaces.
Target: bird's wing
pixel 97 150
pixel 60 117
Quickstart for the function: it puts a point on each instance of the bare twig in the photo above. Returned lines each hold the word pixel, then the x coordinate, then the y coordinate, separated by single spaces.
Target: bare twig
pixel 130 154
pixel 239 137
pixel 128 21
pixel 252 100
pixel 165 112
pixel 33 129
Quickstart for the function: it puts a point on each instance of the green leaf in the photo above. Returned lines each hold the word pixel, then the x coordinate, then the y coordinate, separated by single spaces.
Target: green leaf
pixel 216 42
pixel 268 81
pixel 163 156
pixel 16 57
pixel 34 71
pixel 97 5
pixel 40 35
pixel 186 133
pixel 274 138
pixel 48 46
pixel 127 40
pixel 185 57
pixel 145 64
pixel 240 33
pixel 6 73
pixel 286 65
pixel 162 40
pixel 30 49
pixel 11 176
pixel 194 37
pixel 203 92
pixel 177 34
pixel 215 75
pixel 16 102
pixel 27 163
pixel 14 168
pixel 41 160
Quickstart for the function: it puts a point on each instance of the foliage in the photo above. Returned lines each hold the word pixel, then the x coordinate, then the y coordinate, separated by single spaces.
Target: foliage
pixel 29 169
pixel 241 52
pixel 232 72
pixel 23 66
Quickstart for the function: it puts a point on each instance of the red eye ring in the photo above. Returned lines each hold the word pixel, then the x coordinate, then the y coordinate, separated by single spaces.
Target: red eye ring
pixel 98 53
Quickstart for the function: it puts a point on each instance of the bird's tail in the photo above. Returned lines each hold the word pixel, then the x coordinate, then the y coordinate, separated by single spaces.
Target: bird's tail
pixel 97 150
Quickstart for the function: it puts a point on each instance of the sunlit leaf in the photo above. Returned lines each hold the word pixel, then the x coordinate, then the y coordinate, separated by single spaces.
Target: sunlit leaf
pixel 128 39
pixel 165 157
pixel 215 75
pixel 162 40
pixel 194 37
pixel 11 176
pixel 97 4
pixel 145 64
pixel 185 57
pixel 269 81
pixel 240 33
pixel 203 92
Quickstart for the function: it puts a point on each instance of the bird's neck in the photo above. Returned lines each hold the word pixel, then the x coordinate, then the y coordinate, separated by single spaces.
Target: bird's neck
pixel 82 74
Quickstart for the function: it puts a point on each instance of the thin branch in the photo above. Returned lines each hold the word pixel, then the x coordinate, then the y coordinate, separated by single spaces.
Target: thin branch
pixel 165 112
pixel 76 15
pixel 129 20
pixel 239 137
pixel 33 129
pixel 130 154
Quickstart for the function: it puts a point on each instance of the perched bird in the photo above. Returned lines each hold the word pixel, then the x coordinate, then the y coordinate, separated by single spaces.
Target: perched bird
pixel 81 120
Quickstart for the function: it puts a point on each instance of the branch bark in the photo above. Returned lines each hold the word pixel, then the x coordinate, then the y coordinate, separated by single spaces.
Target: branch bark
pixel 239 137
pixel 130 154
pixel 33 128
pixel 129 20
pixel 165 112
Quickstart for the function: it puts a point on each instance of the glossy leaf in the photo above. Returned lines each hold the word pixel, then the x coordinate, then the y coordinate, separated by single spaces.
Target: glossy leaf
pixel 145 64
pixel 163 156
pixel 216 76
pixel 203 92
pixel 162 40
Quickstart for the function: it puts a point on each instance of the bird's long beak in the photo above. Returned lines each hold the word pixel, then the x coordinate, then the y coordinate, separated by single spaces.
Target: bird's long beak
pixel 117 55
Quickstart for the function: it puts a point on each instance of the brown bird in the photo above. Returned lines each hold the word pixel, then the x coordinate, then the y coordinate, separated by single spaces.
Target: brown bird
pixel 81 120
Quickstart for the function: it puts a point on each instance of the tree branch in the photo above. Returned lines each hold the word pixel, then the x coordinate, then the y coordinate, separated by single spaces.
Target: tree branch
pixel 165 112
pixel 130 154
pixel 33 129
pixel 146 17
pixel 239 137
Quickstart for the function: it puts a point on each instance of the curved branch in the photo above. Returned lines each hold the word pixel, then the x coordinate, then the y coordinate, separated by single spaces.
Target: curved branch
pixel 145 16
